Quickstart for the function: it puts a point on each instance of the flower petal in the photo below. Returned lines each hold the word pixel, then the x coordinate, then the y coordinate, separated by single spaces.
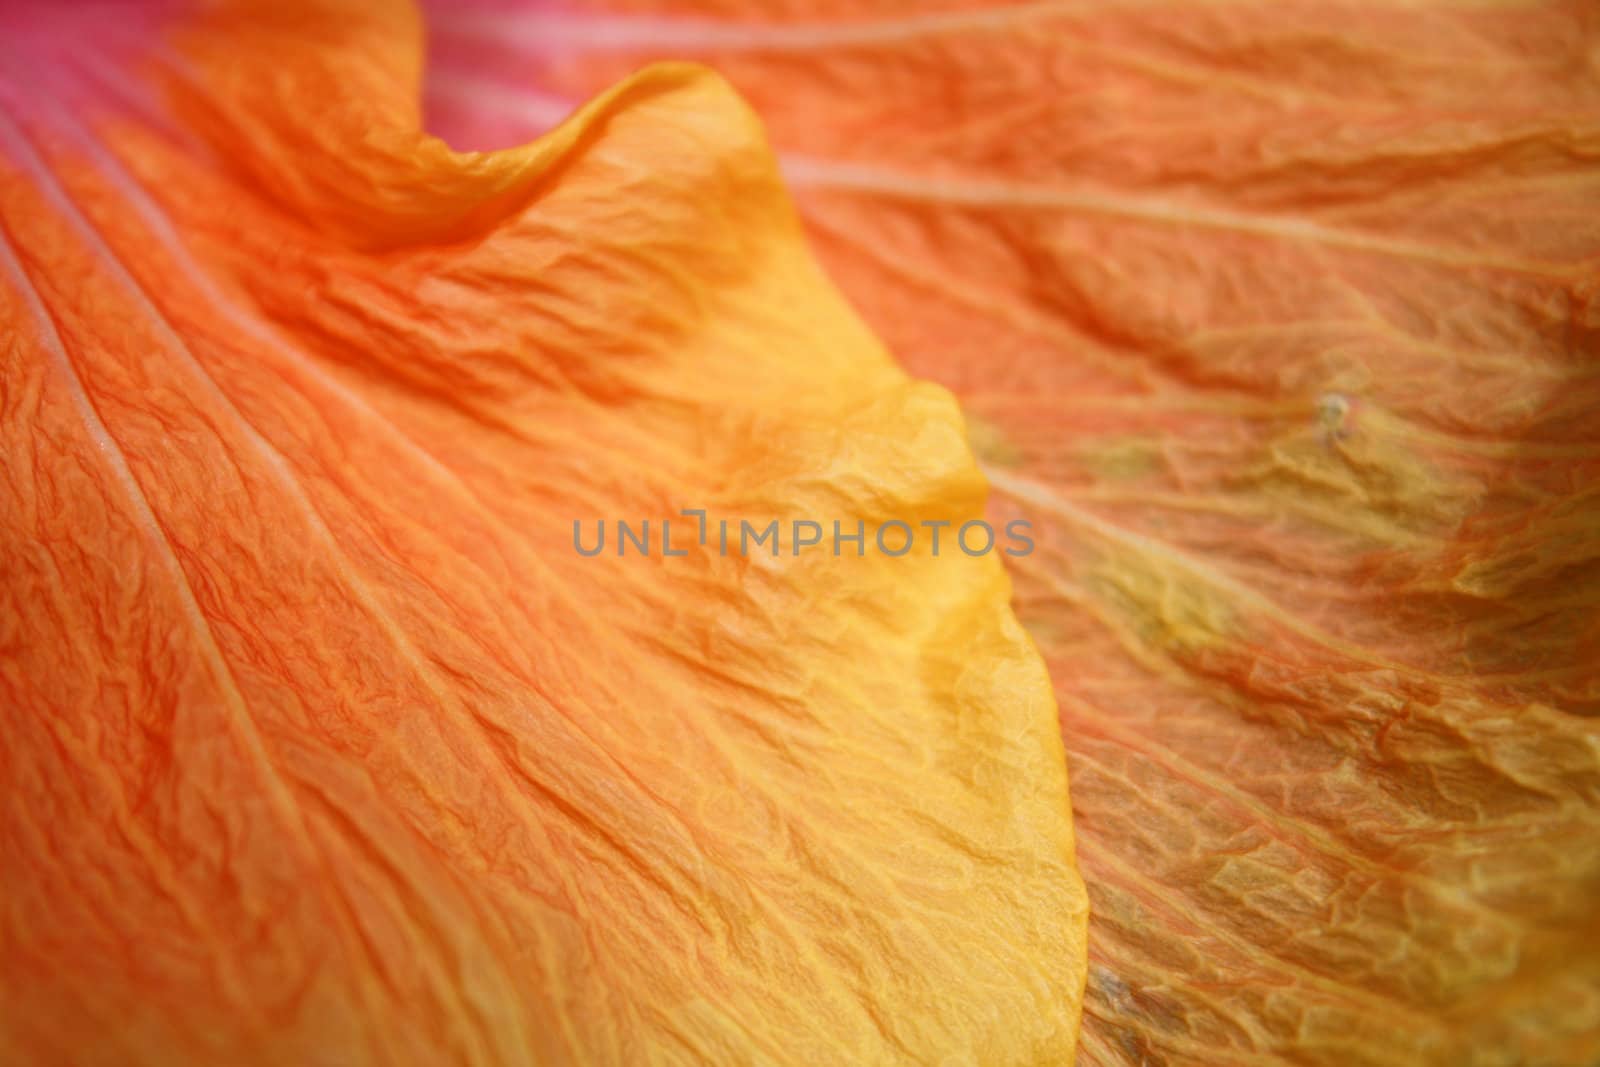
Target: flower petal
pixel 324 746
pixel 1280 321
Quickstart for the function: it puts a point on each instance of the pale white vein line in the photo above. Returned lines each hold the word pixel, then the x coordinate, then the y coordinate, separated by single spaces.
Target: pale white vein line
pixel 144 517
pixel 809 172
pixel 540 31
pixel 277 463
pixel 16 144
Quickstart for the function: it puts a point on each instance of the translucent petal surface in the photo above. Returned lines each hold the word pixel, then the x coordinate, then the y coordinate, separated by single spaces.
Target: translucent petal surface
pixel 321 743
pixel 1282 323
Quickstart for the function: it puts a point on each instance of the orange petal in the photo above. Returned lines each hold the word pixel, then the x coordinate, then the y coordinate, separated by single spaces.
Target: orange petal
pixel 1281 322
pixel 321 743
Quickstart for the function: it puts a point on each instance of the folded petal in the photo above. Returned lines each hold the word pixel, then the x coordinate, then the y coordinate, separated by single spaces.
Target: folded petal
pixel 1281 323
pixel 323 744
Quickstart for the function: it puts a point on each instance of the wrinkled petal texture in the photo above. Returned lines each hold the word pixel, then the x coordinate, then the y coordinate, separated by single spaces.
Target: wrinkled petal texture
pixel 321 744
pixel 1282 323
